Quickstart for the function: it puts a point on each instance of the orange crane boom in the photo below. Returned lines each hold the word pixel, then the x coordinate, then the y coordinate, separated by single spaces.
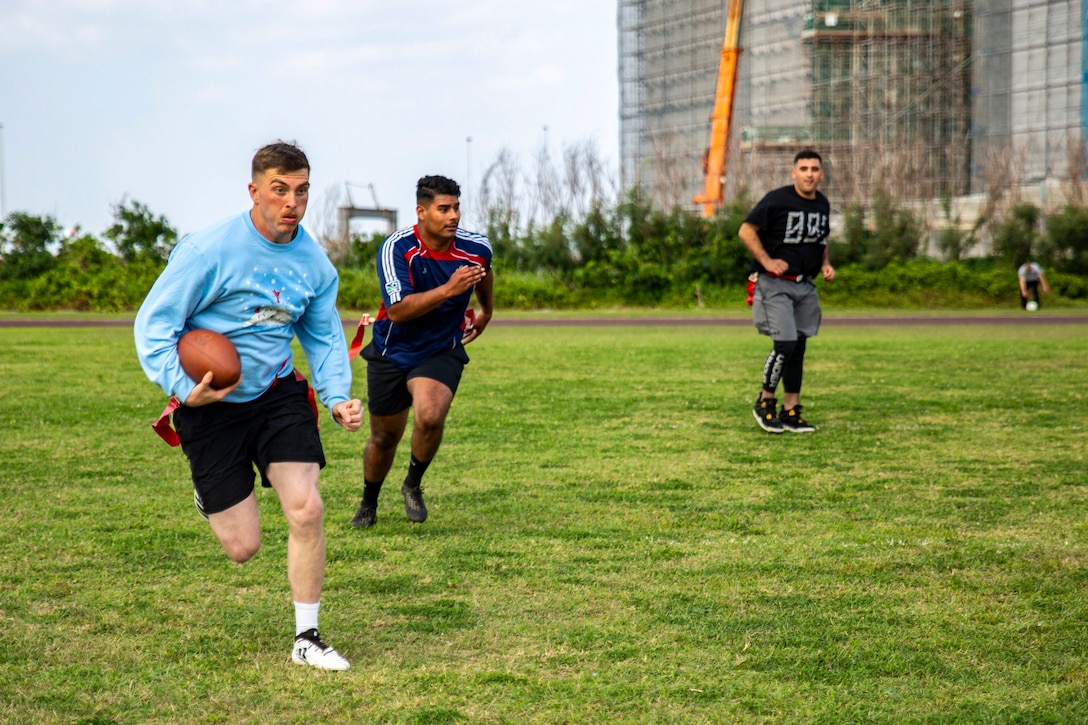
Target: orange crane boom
pixel 718 152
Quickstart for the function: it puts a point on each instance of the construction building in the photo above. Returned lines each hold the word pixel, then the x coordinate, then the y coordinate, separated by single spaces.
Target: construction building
pixel 924 99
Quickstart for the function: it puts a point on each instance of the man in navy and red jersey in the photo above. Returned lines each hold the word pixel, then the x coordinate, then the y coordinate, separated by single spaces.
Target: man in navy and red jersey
pixel 786 232
pixel 415 358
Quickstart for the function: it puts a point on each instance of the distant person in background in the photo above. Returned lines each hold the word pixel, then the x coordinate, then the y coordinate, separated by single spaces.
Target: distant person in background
pixel 1031 277
pixel 786 232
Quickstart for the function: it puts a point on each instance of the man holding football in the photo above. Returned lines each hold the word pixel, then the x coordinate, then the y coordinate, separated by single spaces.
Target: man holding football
pixel 261 280
pixel 786 232
pixel 427 274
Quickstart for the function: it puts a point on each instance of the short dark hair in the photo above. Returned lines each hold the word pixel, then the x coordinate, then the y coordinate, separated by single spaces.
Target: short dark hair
pixel 282 156
pixel 807 154
pixel 429 187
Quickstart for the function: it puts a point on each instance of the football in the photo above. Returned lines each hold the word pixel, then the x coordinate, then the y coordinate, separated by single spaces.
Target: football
pixel 204 350
pixel 1032 306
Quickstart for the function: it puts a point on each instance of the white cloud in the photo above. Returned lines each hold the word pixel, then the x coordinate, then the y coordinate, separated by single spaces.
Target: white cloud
pixel 166 101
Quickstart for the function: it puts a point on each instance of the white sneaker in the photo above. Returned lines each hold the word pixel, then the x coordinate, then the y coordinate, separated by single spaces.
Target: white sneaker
pixel 310 650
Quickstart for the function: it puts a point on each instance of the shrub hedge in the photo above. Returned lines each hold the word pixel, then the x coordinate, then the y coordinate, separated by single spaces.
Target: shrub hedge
pixel 110 285
pixel 628 255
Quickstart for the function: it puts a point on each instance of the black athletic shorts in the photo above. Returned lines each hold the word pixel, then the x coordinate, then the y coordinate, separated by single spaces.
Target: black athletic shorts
pixel 224 440
pixel 387 385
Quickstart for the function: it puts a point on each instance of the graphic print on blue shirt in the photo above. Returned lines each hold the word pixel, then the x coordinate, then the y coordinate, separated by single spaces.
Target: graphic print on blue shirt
pixel 276 297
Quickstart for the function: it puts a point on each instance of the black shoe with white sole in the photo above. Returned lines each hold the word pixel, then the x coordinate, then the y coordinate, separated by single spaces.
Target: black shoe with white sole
pixel 792 421
pixel 764 412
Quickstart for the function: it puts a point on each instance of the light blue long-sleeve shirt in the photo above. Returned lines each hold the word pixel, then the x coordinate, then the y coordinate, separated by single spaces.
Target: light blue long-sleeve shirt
pixel 230 279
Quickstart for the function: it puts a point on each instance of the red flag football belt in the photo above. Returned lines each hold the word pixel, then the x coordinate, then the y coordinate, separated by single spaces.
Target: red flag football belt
pixel 357 343
pixel 165 429
pixel 366 321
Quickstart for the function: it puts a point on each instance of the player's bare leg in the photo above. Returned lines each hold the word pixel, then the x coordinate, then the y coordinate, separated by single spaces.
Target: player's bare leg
pixel 296 486
pixel 431 400
pixel 386 432
pixel 381 448
pixel 238 529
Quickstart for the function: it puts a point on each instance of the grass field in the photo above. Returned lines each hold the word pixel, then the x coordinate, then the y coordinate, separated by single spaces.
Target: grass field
pixel 612 540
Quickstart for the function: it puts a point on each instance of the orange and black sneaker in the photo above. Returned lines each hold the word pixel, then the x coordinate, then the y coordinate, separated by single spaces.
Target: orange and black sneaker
pixel 764 411
pixel 792 421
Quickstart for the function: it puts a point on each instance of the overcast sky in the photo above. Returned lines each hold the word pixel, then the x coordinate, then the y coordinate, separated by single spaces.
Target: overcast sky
pixel 165 102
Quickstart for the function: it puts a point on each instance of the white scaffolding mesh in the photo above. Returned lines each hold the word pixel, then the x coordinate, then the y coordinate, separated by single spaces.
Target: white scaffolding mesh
pixel 914 96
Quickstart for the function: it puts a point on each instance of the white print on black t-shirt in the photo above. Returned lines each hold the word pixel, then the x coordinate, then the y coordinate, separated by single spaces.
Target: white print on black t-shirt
pixel 805 227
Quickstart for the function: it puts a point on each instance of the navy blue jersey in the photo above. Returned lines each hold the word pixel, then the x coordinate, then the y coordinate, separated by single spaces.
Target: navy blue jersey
pixel 406 266
pixel 793 228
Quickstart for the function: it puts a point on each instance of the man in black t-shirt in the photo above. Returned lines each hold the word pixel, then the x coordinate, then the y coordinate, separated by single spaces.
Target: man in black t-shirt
pixel 786 232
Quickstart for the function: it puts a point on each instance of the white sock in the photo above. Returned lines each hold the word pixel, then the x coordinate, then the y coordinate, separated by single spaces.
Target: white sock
pixel 305 616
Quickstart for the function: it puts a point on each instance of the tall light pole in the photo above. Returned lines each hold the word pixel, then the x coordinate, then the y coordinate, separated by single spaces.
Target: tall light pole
pixel 2 172
pixel 468 171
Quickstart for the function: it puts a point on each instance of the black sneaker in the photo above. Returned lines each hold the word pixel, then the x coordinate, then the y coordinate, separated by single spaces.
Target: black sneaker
pixel 764 412
pixel 792 421
pixel 365 517
pixel 413 503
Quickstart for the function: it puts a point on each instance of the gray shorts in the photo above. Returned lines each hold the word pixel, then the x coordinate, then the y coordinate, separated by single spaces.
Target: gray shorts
pixel 783 309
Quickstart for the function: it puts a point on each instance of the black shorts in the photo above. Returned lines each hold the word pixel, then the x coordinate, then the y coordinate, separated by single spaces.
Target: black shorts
pixel 224 440
pixel 387 385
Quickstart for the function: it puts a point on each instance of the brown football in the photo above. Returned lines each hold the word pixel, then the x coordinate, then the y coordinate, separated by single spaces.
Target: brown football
pixel 204 350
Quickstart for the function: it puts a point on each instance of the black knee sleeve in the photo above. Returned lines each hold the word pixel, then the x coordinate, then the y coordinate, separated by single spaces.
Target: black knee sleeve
pixel 794 367
pixel 776 363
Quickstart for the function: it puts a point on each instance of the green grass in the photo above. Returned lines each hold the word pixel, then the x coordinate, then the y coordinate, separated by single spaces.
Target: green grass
pixel 612 540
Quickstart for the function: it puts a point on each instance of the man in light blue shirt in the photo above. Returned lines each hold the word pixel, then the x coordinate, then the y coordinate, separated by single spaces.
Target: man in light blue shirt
pixel 261 280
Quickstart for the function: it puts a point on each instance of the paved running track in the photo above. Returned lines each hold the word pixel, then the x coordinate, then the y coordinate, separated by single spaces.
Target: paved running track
pixel 1022 318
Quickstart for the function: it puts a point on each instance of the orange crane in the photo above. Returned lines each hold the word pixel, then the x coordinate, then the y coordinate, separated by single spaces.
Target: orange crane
pixel 718 152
